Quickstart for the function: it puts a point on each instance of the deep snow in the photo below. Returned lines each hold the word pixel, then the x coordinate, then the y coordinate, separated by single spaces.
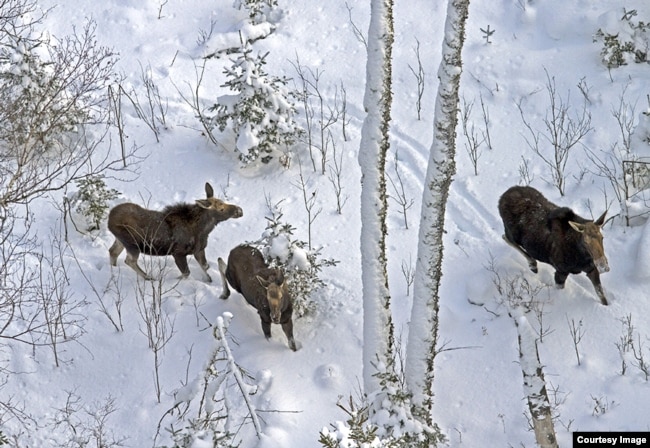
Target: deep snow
pixel 479 394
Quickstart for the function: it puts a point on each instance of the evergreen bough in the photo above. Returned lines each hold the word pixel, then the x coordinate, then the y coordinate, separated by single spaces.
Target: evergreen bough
pixel 92 200
pixel 630 42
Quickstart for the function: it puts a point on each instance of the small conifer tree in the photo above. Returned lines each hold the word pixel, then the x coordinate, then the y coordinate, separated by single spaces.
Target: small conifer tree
pixel 261 111
pixel 627 41
pixel 92 200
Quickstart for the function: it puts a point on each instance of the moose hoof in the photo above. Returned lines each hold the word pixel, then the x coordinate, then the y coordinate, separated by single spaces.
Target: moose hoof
pixel 292 345
pixel 224 296
pixel 559 286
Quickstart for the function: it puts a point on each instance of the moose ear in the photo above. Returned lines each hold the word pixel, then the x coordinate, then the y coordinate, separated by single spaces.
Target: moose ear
pixel 203 203
pixel 600 221
pixel 577 227
pixel 209 192
pixel 265 283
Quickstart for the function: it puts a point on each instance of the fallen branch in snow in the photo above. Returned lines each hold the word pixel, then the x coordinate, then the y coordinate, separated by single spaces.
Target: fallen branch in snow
pixel 203 410
pixel 534 383
pixel 220 335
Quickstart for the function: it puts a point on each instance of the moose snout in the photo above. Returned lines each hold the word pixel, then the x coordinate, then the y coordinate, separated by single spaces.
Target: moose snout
pixel 275 316
pixel 238 212
pixel 602 265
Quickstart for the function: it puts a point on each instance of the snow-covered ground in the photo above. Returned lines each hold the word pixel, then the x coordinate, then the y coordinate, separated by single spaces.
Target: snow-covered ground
pixel 479 396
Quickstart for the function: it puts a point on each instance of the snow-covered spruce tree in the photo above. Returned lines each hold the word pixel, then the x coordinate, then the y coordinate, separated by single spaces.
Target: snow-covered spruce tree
pixel 623 40
pixel 423 332
pixel 301 265
pixel 259 11
pixel 92 201
pixel 261 110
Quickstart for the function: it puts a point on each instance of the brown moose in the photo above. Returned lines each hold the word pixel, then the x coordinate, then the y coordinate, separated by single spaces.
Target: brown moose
pixel 263 287
pixel 540 230
pixel 178 230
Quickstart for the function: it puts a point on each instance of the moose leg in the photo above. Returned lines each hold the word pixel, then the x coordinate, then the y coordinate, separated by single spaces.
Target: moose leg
pixel 115 251
pixel 560 279
pixel 181 262
pixel 287 327
pixel 224 281
pixel 532 263
pixel 266 327
pixel 594 276
pixel 200 257
pixel 132 262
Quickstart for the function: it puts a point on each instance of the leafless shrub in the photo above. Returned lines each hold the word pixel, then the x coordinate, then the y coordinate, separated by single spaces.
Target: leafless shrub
pixel 562 131
pixel 355 29
pixel 319 115
pixel 524 172
pixel 158 325
pixel 624 114
pixel 61 310
pixel 577 332
pixel 84 425
pixel 514 290
pixel 335 178
pixel 631 348
pixel 399 191
pixel 43 135
pixel 408 272
pixel 152 109
pixel 310 202
pixel 640 361
pixel 600 405
pixel 485 112
pixel 161 5
pixel 116 118
pixel 193 100
pixel 344 112
pixel 419 77
pixel 472 141
pixel 625 341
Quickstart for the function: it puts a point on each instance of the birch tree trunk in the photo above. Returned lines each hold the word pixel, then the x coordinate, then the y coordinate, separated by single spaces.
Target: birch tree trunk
pixel 534 383
pixel 377 323
pixel 423 331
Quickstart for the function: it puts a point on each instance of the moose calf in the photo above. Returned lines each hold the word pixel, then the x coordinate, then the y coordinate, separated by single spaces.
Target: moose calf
pixel 178 230
pixel 263 287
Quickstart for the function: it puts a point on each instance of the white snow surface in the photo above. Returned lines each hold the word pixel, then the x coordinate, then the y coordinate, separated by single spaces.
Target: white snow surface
pixel 478 383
